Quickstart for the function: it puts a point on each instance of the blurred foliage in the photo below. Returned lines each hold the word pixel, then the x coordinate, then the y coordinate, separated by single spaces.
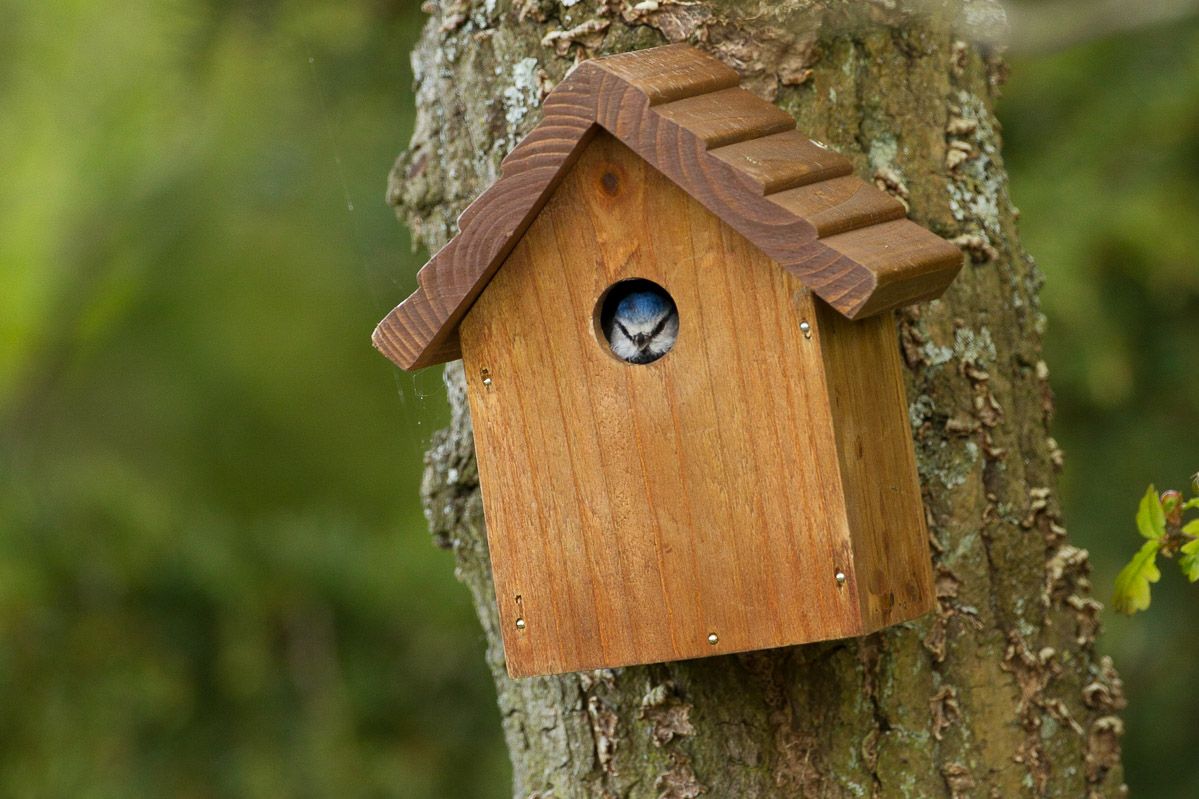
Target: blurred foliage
pixel 214 575
pixel 1102 145
pixel 215 579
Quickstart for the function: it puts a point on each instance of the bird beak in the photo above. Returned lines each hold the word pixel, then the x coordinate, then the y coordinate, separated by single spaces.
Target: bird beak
pixel 640 339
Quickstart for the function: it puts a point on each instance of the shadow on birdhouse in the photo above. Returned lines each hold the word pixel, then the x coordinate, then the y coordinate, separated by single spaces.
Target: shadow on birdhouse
pixel 752 484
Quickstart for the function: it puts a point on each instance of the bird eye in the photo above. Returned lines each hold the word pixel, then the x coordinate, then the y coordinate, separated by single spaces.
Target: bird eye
pixel 627 310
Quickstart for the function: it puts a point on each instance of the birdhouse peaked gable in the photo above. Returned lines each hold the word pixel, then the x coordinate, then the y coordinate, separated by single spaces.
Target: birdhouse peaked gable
pixel 739 156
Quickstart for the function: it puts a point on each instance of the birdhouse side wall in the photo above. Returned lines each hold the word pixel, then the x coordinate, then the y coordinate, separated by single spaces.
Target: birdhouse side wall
pixel 642 513
pixel 869 411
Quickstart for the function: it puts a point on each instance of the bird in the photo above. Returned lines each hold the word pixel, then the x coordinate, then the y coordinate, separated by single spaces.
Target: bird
pixel 643 325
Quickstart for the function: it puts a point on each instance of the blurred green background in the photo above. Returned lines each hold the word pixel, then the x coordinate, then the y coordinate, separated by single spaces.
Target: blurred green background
pixel 1102 145
pixel 214 574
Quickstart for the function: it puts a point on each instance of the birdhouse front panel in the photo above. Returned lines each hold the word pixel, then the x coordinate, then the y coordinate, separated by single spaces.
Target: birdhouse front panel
pixel 675 509
pixel 674 312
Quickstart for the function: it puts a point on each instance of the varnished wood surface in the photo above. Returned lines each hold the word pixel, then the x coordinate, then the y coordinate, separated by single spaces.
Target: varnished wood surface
pixel 666 74
pixel 726 117
pixel 737 155
pixel 632 511
pixel 782 161
pixel 839 205
pixel 908 261
pixel 869 414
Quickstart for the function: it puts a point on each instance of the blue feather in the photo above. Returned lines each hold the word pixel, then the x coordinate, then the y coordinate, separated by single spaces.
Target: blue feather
pixel 642 306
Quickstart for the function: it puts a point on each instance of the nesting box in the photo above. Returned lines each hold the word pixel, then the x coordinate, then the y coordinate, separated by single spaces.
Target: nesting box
pixel 754 487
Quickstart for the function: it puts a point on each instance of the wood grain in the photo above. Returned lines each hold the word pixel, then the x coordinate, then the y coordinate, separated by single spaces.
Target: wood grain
pixel 726 117
pixel 665 74
pixel 839 205
pixel 632 511
pixel 682 111
pixel 906 259
pixel 869 414
pixel 783 161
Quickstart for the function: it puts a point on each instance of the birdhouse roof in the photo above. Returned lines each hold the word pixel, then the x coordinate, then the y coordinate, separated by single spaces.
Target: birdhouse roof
pixel 737 154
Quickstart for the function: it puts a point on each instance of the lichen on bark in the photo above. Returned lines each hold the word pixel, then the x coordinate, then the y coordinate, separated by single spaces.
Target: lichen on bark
pixel 1000 692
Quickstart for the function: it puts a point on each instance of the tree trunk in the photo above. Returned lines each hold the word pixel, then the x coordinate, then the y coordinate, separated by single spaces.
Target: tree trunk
pixel 998 694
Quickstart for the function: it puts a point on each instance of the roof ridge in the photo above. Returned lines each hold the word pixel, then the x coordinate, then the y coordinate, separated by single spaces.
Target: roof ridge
pixel 668 73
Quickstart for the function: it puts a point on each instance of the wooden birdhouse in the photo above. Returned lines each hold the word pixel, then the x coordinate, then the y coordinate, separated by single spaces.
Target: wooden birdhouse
pixel 753 487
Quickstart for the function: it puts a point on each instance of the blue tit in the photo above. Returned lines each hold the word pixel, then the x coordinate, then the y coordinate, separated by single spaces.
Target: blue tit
pixel 644 325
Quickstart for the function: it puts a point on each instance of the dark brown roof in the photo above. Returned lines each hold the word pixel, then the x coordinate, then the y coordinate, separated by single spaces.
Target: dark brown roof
pixel 740 156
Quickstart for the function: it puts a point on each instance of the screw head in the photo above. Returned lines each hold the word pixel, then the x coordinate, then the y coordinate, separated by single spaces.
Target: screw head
pixel 713 639
pixel 520 624
pixel 839 577
pixel 487 381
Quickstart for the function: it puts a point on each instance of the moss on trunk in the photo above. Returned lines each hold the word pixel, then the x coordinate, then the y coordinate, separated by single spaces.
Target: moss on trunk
pixel 1000 693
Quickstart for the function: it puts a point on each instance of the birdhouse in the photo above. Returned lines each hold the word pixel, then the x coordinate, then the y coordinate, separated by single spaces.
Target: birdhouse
pixel 674 312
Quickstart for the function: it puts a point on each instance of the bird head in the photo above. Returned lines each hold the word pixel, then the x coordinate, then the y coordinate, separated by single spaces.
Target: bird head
pixel 644 325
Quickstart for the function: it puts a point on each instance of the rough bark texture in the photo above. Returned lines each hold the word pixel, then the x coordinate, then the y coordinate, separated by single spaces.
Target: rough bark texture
pixel 1000 693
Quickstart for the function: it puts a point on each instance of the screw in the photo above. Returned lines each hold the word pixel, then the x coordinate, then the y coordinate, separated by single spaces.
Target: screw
pixel 806 329
pixel 713 638
pixel 487 381
pixel 839 577
pixel 819 144
pixel 520 624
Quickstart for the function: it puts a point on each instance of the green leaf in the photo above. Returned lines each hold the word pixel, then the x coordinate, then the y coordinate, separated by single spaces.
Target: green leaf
pixel 1132 583
pixel 1193 502
pixel 1189 562
pixel 1191 528
pixel 1151 519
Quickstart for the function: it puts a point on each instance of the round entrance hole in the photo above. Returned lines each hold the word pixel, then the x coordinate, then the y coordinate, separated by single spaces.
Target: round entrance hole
pixel 638 320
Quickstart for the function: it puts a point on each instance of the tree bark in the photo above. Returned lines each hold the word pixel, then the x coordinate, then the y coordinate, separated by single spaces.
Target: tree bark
pixel 999 693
